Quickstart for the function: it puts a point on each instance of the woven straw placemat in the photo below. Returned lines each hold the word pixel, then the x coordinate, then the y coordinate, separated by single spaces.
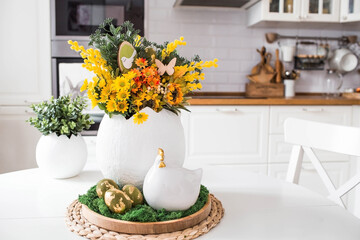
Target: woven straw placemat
pixel 78 224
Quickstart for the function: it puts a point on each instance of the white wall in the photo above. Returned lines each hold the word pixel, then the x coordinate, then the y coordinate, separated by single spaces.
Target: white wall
pixel 222 33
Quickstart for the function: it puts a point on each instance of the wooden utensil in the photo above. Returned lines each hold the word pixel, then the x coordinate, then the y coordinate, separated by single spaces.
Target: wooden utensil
pixel 262 77
pixel 279 67
pixel 267 65
pixel 262 72
pixel 257 68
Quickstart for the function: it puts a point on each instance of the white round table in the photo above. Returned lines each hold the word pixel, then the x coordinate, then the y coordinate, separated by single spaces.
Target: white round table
pixel 32 206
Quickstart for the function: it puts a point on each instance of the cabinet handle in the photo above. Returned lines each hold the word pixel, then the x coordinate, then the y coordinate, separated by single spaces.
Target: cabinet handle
pixel 313 109
pixel 228 110
pixel 299 17
pixel 305 16
pixel 32 101
pixel 344 17
pixel 29 112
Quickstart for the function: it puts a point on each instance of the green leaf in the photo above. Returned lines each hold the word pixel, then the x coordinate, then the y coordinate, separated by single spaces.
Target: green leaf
pixel 62 116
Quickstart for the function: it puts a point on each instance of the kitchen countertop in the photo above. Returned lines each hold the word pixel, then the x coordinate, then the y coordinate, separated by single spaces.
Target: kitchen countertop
pixel 228 98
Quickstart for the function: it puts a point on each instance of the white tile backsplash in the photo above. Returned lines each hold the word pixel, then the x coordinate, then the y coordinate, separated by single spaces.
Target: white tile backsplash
pixel 223 34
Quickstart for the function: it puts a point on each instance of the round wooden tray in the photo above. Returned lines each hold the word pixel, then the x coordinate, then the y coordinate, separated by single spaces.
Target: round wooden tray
pixel 147 228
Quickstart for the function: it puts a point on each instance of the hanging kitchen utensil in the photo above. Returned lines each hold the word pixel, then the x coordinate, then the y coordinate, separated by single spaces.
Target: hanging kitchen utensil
pixel 272 37
pixel 343 61
pixel 308 61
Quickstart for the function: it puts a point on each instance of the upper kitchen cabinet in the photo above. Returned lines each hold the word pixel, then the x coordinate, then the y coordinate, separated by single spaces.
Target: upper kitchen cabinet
pixel 274 10
pixel 320 10
pixel 294 11
pixel 25 58
pixel 350 11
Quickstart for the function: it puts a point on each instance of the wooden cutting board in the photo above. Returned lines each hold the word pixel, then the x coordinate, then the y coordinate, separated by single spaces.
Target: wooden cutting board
pixel 354 95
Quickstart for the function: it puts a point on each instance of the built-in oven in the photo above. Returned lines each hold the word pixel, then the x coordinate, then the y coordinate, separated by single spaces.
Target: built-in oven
pixel 76 20
pixel 82 17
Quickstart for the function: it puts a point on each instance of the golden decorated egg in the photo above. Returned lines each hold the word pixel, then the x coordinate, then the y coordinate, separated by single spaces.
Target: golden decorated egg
pixel 117 201
pixel 134 193
pixel 104 185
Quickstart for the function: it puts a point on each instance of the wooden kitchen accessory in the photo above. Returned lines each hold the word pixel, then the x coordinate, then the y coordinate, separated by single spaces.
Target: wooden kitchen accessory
pixel 279 67
pixel 262 76
pixel 147 227
pixel 351 95
pixel 262 72
pixel 78 224
pixel 264 90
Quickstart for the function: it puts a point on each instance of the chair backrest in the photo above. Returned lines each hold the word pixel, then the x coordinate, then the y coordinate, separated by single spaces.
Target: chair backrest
pixel 323 136
pixel 308 135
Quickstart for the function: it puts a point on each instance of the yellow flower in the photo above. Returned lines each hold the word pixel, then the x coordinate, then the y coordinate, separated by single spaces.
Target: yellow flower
pixel 84 86
pixel 105 93
pixel 180 71
pixel 111 105
pixel 137 41
pixel 102 83
pixel 139 118
pixel 209 64
pixel 138 102
pixel 123 95
pixel 171 47
pixel 122 106
pixel 174 95
pixel 121 83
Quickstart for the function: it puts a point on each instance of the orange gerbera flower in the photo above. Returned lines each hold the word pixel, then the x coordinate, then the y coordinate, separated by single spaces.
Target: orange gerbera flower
pixel 136 72
pixel 141 62
pixel 149 71
pixel 153 80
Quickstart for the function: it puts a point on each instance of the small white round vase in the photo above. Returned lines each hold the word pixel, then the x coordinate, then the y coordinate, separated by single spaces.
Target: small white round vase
pixel 61 157
pixel 125 151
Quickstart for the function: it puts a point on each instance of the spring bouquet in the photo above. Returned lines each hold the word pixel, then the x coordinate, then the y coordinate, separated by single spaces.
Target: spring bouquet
pixel 133 73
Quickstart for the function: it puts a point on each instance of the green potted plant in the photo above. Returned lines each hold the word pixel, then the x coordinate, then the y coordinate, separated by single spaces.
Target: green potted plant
pixel 61 151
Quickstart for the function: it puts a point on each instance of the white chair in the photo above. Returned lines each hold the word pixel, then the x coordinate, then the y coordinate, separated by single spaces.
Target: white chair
pixel 308 135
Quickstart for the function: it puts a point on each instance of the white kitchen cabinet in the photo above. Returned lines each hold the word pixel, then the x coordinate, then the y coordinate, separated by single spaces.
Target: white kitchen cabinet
pixel 350 11
pixel 320 10
pixel 294 11
pixel 25 58
pixel 226 134
pixel 330 114
pixel 274 10
pixel 18 139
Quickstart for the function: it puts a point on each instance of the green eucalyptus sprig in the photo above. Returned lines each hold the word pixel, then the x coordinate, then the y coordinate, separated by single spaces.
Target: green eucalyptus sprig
pixel 62 116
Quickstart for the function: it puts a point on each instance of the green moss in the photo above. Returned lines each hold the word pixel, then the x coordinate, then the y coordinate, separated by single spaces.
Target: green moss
pixel 141 213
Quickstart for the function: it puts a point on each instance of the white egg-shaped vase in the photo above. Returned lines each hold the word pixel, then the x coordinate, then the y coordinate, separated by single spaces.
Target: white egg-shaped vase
pixel 60 156
pixel 125 151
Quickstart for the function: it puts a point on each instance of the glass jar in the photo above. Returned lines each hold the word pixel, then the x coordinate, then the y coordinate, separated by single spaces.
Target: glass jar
pixel 332 83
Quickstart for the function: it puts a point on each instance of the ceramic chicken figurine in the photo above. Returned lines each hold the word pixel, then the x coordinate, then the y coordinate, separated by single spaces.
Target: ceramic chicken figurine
pixel 171 188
